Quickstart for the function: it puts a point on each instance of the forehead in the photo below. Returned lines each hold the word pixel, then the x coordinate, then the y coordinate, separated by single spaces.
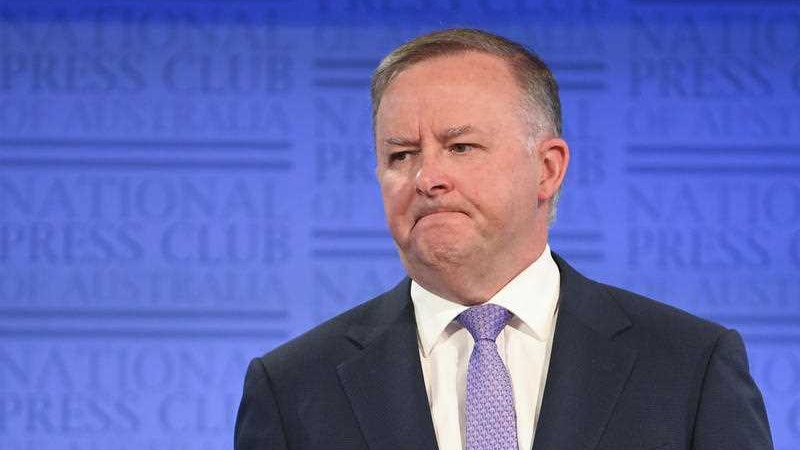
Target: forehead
pixel 451 90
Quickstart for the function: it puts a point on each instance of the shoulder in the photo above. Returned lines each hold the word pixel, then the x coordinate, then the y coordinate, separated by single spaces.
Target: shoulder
pixel 336 339
pixel 652 316
pixel 692 364
pixel 642 322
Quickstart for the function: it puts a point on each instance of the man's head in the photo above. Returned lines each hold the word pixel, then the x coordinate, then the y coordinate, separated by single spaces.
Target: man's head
pixel 468 160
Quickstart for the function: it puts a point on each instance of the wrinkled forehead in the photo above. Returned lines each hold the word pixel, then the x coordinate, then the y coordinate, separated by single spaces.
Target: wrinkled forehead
pixel 499 66
pixel 448 92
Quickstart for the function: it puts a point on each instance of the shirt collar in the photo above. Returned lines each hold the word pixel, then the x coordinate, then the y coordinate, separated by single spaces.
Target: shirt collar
pixel 531 296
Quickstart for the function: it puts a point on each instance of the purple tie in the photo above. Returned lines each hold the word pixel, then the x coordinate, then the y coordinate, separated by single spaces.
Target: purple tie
pixel 491 420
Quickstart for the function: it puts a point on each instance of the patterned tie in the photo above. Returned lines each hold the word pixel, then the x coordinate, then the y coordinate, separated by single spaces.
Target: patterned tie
pixel 491 420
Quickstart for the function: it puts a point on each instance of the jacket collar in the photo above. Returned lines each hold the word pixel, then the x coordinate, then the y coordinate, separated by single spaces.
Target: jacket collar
pixel 588 367
pixel 384 381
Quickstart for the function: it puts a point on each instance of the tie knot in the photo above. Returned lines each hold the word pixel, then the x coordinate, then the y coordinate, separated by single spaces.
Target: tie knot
pixel 484 321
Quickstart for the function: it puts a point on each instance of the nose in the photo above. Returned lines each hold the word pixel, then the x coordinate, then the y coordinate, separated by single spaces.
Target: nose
pixel 432 177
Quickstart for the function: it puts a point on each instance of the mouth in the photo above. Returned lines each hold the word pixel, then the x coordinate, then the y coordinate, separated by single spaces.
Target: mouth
pixel 436 212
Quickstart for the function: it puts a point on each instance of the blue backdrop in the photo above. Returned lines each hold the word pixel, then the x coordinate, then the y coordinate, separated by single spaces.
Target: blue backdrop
pixel 186 184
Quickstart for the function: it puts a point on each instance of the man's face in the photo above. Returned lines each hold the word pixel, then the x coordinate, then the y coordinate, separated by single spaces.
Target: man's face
pixel 460 185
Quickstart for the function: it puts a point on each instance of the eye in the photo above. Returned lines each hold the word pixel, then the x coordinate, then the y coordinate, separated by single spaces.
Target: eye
pixel 399 156
pixel 461 148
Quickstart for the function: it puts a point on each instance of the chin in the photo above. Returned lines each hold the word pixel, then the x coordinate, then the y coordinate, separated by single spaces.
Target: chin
pixel 440 254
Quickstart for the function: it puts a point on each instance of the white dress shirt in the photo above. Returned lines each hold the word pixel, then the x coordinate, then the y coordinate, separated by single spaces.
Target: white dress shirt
pixel 524 346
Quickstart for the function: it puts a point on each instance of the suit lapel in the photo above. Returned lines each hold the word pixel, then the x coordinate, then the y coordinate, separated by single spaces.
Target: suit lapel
pixel 588 368
pixel 384 381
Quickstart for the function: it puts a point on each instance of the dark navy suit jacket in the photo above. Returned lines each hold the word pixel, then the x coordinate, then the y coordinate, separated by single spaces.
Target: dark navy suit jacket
pixel 625 373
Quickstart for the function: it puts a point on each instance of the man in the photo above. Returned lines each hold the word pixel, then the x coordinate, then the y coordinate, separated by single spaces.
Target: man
pixel 493 342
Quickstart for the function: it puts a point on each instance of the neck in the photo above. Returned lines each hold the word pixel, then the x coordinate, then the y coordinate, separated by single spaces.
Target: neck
pixel 470 284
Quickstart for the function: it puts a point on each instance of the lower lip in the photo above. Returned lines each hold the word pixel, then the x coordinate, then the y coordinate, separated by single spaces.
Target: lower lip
pixel 438 214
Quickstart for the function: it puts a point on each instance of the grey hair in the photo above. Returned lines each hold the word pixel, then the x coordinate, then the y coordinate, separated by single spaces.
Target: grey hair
pixel 541 104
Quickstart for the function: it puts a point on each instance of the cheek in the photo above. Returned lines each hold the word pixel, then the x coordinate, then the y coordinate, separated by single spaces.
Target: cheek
pixel 525 197
pixel 396 198
pixel 514 196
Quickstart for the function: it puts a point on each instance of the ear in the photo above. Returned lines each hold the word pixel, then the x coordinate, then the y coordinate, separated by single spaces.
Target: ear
pixel 553 156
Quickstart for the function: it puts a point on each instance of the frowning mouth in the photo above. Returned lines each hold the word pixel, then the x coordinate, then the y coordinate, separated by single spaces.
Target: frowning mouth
pixel 437 212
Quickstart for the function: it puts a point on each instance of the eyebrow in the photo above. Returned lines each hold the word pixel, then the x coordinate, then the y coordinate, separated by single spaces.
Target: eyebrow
pixel 453 132
pixel 449 133
pixel 402 141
